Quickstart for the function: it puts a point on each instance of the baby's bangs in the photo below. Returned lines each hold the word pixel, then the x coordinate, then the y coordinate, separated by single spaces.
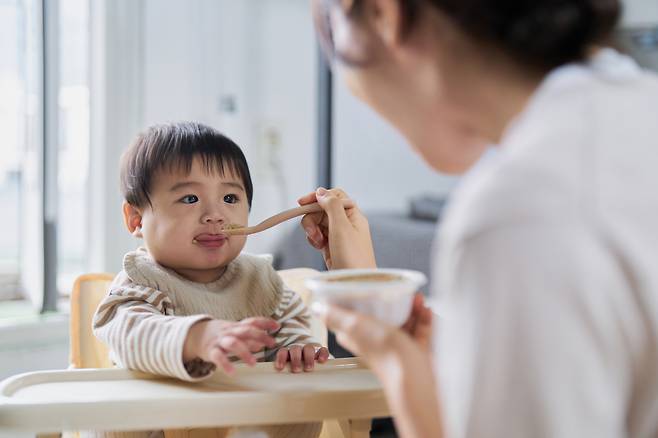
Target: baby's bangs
pixel 212 163
pixel 223 165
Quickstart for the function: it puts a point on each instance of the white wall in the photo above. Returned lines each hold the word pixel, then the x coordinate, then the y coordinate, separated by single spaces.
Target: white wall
pixel 171 60
pixel 181 60
pixel 259 53
pixel 640 13
pixel 116 116
pixel 372 161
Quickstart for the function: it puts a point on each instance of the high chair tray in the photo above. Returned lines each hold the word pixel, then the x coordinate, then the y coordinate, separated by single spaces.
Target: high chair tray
pixel 117 399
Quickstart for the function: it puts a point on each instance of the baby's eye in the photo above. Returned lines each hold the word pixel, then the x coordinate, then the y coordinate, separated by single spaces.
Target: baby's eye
pixel 189 199
pixel 230 199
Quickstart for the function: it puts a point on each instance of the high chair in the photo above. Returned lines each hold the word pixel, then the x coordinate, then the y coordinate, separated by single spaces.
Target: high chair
pixel 88 352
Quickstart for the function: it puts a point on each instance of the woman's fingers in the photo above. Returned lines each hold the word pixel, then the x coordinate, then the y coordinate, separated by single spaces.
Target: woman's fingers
pixel 424 329
pixel 416 308
pixel 310 198
pixel 315 244
pixel 307 199
pixel 315 224
pixel 362 334
pixel 419 324
pixel 311 223
pixel 343 235
pixel 313 227
pixel 344 323
pixel 333 206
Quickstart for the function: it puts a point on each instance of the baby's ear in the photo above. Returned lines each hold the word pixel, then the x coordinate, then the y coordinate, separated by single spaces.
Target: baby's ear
pixel 132 217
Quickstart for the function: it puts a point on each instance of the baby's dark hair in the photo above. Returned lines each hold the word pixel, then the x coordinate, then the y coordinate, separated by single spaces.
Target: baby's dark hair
pixel 174 146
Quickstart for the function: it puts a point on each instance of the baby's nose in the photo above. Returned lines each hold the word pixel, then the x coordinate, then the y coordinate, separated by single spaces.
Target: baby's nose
pixel 212 219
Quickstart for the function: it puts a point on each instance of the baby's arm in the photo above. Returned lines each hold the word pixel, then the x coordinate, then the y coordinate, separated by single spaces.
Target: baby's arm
pixel 294 341
pixel 138 325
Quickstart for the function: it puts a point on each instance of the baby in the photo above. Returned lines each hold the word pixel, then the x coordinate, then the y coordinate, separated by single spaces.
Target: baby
pixel 189 301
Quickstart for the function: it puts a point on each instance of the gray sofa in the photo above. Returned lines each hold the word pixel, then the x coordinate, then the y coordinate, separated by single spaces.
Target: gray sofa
pixel 400 241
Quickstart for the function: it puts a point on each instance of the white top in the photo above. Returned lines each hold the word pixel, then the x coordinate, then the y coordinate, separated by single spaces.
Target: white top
pixel 547 267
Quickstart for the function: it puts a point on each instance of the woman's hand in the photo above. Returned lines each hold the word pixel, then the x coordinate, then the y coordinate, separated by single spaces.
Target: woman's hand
pixel 419 324
pixel 401 360
pixel 343 235
pixel 376 341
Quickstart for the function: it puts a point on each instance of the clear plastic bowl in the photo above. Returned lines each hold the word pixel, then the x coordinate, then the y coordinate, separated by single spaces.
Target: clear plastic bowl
pixel 389 300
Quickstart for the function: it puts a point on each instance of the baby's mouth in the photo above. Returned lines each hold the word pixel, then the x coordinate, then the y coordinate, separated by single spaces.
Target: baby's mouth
pixel 210 240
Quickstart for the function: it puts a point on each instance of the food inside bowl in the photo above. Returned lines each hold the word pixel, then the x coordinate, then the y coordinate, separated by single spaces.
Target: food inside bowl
pixel 374 277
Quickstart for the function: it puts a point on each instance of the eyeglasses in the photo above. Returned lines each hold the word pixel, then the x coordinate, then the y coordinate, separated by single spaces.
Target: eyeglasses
pixel 322 19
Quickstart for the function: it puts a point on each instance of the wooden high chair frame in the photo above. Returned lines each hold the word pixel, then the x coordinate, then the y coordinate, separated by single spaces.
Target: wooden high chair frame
pixel 88 352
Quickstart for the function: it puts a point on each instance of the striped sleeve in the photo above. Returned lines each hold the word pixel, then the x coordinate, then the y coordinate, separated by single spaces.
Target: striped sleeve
pixel 138 325
pixel 295 320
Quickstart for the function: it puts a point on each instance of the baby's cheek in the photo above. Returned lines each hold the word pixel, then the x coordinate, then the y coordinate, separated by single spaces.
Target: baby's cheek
pixel 238 242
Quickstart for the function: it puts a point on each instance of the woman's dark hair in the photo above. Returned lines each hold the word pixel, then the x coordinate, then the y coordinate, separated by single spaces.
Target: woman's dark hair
pixel 174 147
pixel 540 33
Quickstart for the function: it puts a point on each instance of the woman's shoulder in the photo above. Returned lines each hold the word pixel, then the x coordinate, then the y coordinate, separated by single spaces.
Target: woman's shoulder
pixel 585 140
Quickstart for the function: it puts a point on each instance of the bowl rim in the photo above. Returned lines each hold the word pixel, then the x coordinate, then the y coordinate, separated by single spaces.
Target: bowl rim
pixel 318 283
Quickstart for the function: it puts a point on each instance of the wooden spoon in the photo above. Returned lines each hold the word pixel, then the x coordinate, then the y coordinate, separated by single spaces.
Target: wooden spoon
pixel 239 230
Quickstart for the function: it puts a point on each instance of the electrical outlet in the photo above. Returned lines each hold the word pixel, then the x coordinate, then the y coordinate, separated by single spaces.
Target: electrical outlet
pixel 269 150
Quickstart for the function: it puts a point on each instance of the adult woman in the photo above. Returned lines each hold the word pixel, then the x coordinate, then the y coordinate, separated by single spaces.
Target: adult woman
pixel 547 264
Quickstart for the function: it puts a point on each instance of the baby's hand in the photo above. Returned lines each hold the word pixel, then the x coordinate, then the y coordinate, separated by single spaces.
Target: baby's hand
pixel 297 355
pixel 216 340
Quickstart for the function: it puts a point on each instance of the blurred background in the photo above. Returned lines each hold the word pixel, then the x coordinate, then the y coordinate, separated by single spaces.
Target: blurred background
pixel 80 78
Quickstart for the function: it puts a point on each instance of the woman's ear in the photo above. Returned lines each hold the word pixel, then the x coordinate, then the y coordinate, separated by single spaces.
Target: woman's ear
pixel 132 217
pixel 385 18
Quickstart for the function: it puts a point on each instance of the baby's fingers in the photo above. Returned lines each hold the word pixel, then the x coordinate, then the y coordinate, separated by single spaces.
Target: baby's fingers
pixel 295 358
pixel 322 355
pixel 218 357
pixel 267 324
pixel 308 355
pixel 237 347
pixel 250 334
pixel 254 346
pixel 281 359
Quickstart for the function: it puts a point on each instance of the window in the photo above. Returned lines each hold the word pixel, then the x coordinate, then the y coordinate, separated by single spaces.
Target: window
pixel 73 144
pixel 17 107
pixel 24 82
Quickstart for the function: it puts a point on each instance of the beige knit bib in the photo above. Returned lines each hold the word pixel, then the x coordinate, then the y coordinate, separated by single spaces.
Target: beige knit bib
pixel 248 287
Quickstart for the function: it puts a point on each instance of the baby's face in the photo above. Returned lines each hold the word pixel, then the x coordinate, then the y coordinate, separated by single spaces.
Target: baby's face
pixel 182 229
